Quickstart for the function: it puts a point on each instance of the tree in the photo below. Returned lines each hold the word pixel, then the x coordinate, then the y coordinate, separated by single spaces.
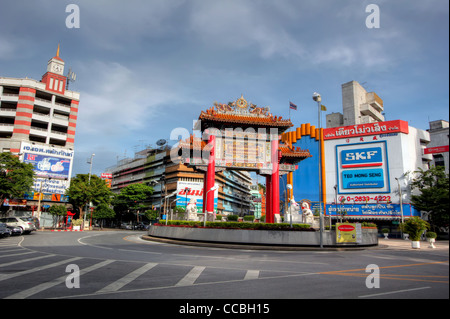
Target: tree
pixel 433 185
pixel 102 212
pixel 16 178
pixel 132 197
pixel 83 191
pixel 57 211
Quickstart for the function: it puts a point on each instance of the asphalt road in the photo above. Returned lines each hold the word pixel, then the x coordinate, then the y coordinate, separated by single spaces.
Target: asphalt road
pixel 121 265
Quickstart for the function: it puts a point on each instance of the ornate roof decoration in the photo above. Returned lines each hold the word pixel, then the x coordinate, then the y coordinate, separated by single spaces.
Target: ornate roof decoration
pixel 290 153
pixel 241 112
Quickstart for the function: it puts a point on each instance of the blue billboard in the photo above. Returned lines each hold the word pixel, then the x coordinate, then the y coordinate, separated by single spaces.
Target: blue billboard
pixel 368 211
pixel 48 166
pixel 362 157
pixel 362 168
pixel 363 178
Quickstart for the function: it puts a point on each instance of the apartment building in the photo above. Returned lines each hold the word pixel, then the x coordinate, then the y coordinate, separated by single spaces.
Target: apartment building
pixel 359 107
pixel 38 120
pixel 177 181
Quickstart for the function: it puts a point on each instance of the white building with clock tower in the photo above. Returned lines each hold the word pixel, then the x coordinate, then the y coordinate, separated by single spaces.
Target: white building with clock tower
pixel 38 120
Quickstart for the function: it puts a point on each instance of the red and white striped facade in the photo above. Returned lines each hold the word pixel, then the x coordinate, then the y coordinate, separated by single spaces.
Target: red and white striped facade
pixel 38 112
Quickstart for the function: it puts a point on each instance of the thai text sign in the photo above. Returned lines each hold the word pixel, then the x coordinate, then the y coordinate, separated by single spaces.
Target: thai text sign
pixel 192 191
pixel 348 233
pixel 397 126
pixel 437 149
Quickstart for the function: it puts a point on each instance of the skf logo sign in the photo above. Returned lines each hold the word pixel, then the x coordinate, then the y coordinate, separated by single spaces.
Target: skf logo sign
pixel 367 157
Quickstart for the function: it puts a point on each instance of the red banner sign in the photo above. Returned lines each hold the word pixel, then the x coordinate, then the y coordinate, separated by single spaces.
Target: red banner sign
pixel 397 126
pixel 437 149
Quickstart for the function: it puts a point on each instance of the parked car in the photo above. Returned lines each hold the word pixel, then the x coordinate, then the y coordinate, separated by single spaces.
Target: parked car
pixel 126 226
pixel 35 220
pixel 141 226
pixel 15 230
pixel 26 225
pixel 4 230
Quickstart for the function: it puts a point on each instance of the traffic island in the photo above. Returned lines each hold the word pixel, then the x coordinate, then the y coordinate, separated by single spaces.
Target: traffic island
pixel 231 237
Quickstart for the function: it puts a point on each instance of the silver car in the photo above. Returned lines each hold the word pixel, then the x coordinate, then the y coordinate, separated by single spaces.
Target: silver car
pixel 27 226
pixel 4 230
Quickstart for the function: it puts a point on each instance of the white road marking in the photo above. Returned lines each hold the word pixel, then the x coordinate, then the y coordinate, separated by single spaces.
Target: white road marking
pixel 392 292
pixel 191 277
pixel 251 274
pixel 46 285
pixel 127 279
pixel 29 271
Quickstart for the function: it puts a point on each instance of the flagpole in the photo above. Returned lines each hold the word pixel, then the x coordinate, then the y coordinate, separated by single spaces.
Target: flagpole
pixel 289 110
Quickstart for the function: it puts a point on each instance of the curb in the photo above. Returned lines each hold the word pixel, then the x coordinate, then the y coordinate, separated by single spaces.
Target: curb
pixel 255 247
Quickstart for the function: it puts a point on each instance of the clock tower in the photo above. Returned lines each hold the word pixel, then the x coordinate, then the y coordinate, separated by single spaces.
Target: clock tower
pixel 54 78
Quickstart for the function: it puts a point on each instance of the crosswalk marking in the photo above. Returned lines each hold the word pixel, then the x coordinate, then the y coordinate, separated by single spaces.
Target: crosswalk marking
pixel 191 277
pixel 29 271
pixel 251 274
pixel 118 285
pixel 46 285
pixel 127 279
pixel 18 254
pixel 25 260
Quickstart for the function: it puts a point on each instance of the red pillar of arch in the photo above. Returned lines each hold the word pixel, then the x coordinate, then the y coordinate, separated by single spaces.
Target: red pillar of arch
pixel 269 213
pixel 205 177
pixel 211 174
pixel 275 181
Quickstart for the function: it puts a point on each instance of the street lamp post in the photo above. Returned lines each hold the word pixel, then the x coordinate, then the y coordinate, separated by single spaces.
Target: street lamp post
pixel 316 97
pixel 289 186
pixel 401 203
pixel 335 204
pixel 171 210
pixel 89 183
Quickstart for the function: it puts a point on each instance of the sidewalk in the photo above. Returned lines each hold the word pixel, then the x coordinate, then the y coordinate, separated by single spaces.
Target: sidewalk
pixel 397 244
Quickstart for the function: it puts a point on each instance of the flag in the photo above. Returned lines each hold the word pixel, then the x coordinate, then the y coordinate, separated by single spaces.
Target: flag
pixel 292 106
pixel 323 107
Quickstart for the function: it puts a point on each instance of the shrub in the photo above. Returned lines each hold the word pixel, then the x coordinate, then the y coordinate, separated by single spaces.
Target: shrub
pixel 77 222
pixel 414 226
pixel 249 218
pixel 385 230
pixel 431 234
pixel 232 217
pixel 243 225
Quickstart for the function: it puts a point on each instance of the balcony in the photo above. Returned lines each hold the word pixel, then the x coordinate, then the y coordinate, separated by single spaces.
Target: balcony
pixel 368 109
pixel 375 101
pixel 9 112
pixel 37 131
pixel 9 97
pixel 4 127
pixel 58 135
pixel 60 119
pixel 42 102
pixel 41 117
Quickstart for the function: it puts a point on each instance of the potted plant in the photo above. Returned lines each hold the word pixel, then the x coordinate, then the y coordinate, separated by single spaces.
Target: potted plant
pixel 76 224
pixel 415 226
pixel 385 232
pixel 431 236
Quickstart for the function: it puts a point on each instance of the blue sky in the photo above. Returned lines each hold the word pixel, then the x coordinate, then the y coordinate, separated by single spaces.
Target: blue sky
pixel 145 67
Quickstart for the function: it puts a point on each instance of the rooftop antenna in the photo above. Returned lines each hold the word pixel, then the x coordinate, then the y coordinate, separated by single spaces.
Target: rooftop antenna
pixel 71 77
